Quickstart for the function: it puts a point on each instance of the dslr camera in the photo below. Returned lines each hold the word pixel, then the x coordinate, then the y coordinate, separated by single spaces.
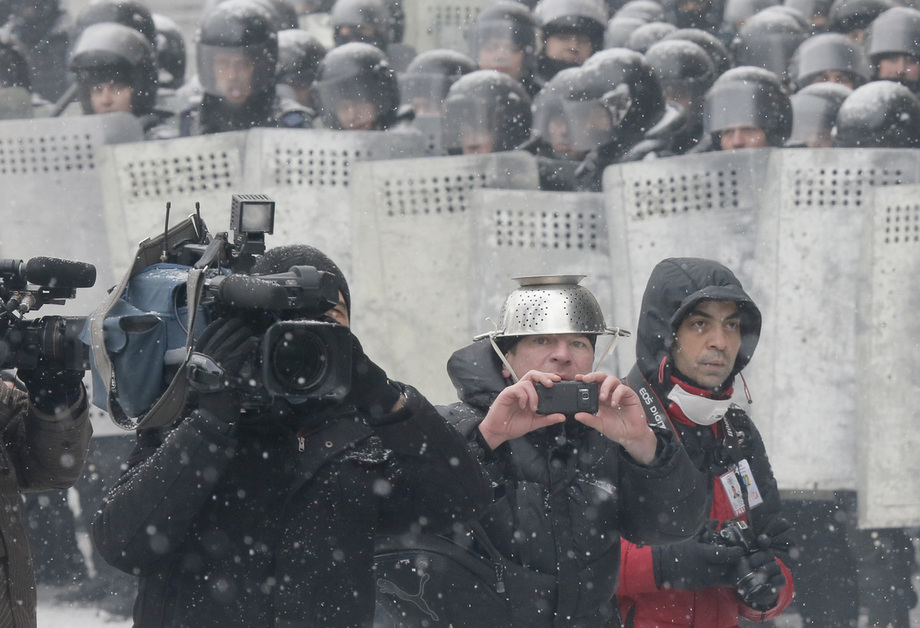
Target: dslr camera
pixel 51 340
pixel 567 398
pixel 737 533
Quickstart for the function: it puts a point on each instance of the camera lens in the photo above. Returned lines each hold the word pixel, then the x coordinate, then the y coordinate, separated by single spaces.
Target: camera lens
pixel 299 360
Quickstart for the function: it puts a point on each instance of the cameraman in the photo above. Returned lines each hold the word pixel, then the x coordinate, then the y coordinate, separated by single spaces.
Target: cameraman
pixel 44 436
pixel 267 518
pixel 697 330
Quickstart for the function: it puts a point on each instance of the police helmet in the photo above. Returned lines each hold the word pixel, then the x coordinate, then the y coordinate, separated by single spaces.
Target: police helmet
pixel 368 21
pixel 245 31
pixel 486 101
pixel 631 92
pixel 299 56
pixel 356 72
pixel 814 113
pixel 880 114
pixel 748 96
pixel 685 72
pixel 648 34
pixel 619 29
pixel 828 52
pixel 430 75
pixel 505 21
pixel 586 17
pixel 127 12
pixel 846 16
pixel 170 47
pixel 768 40
pixel 896 31
pixel 110 52
pixel 717 51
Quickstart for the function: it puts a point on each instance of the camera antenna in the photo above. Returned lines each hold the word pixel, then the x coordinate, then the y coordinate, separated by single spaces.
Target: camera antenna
pixel 165 233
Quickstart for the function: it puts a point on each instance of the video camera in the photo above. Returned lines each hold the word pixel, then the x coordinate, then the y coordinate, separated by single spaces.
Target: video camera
pixel 52 340
pixel 298 360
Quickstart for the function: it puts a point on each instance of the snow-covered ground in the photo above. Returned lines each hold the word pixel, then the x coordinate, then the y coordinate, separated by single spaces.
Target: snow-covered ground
pixel 53 613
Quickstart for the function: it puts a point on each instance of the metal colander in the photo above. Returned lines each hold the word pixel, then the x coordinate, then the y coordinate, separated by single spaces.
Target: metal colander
pixel 552 304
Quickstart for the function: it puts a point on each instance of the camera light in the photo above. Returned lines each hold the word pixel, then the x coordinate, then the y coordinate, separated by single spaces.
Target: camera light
pixel 252 213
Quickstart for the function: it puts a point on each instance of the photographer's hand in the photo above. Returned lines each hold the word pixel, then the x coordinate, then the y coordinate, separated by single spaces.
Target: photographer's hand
pixel 759 580
pixel 52 387
pixel 695 564
pixel 620 417
pixel 514 411
pixel 371 389
pixel 229 344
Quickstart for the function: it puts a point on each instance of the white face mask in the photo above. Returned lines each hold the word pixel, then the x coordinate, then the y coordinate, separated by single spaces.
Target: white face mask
pixel 700 410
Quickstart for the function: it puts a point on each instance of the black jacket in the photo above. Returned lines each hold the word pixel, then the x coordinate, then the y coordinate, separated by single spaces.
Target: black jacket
pixel 252 526
pixel 567 494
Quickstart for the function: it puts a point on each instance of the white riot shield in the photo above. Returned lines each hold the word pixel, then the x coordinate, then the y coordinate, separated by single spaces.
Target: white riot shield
pixel 143 177
pixel 521 233
pixel 412 255
pixel 804 376
pixel 690 206
pixel 888 359
pixel 434 24
pixel 51 171
pixel 309 173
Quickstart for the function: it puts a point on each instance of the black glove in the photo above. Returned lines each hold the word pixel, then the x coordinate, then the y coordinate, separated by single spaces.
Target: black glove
pixel 371 390
pixel 759 580
pixel 777 535
pixel 52 387
pixel 221 352
pixel 695 564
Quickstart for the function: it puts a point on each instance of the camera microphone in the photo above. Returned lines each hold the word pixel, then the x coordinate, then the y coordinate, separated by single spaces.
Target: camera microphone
pixel 52 271
pixel 251 293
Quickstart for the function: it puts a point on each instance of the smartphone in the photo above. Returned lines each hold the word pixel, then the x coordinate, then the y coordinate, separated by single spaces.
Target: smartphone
pixel 567 398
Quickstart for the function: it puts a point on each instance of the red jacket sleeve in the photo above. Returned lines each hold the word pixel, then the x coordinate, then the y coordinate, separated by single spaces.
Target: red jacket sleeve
pixel 636 573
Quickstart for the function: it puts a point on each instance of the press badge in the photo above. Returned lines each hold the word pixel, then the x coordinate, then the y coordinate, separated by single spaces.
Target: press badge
pixel 733 488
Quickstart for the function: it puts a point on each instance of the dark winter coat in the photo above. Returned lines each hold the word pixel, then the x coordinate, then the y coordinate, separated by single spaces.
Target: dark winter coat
pixel 568 493
pixel 252 525
pixel 675 287
pixel 37 452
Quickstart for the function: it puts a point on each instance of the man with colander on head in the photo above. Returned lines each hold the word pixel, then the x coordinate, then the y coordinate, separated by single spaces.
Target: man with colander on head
pixel 566 488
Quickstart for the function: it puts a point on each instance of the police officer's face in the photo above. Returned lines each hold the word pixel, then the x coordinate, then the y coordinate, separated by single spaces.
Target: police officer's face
pixel 476 142
pixel 707 343
pixel 836 76
pixel 233 75
pixel 899 68
pixel 110 98
pixel 743 137
pixel 501 55
pixel 569 47
pixel 566 355
pixel 356 115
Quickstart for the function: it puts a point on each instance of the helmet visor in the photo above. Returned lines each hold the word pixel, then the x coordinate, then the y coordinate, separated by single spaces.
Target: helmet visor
pixel 235 73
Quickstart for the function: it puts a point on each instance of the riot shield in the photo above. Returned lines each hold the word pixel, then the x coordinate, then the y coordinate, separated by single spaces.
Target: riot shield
pixel 309 174
pixel 412 259
pixel 52 169
pixel 805 374
pixel 141 178
pixel 887 359
pixel 434 24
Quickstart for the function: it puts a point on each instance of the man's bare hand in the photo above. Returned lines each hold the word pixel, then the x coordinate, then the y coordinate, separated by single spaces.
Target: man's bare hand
pixel 620 417
pixel 514 411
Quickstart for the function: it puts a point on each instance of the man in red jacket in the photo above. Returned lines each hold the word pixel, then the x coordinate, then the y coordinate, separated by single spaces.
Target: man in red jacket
pixel 697 331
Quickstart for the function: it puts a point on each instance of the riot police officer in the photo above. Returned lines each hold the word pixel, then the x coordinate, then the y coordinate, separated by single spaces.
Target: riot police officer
pixel 237 51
